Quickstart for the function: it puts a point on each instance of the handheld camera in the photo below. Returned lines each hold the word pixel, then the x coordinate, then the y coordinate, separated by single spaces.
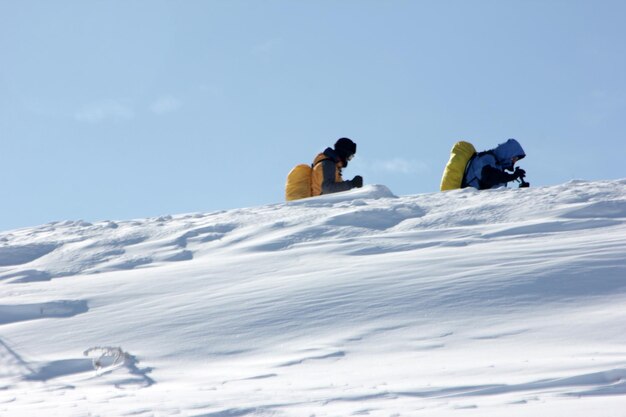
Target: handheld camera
pixel 522 182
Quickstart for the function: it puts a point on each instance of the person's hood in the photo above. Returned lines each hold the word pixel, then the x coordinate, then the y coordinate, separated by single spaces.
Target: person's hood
pixel 332 154
pixel 505 152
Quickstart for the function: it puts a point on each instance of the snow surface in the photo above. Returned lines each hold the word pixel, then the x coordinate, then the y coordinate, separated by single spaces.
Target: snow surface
pixel 507 302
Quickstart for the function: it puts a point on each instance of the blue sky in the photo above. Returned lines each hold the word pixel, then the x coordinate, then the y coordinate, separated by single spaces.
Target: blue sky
pixel 114 110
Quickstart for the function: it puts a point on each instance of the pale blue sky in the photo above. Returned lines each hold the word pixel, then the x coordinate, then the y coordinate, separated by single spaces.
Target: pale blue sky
pixel 113 110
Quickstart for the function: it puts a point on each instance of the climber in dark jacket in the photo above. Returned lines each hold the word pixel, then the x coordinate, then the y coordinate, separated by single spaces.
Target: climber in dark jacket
pixel 488 169
pixel 326 176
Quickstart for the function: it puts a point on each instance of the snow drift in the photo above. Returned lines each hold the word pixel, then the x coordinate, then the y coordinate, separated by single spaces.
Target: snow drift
pixel 500 302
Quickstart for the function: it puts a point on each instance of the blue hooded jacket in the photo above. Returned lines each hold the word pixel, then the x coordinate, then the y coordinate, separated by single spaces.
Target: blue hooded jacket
pixel 500 158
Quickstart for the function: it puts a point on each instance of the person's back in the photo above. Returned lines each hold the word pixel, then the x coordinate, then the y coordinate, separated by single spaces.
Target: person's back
pixel 487 169
pixel 327 166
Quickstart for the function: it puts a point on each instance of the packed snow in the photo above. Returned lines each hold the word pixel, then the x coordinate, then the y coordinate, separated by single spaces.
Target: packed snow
pixel 508 302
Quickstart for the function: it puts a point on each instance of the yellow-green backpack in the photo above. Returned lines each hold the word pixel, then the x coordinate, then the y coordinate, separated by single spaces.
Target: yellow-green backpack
pixel 453 174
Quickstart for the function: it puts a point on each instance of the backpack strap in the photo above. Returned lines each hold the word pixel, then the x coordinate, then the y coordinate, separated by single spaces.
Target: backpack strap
pixel 320 161
pixel 465 182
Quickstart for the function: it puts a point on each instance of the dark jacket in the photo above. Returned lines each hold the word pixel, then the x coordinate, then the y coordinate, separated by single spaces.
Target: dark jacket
pixel 326 177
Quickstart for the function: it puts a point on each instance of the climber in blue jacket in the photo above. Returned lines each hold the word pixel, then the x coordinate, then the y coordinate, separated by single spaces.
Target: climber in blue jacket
pixel 488 169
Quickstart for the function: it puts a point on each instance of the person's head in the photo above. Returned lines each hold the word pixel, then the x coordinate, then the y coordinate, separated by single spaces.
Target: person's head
pixel 345 149
pixel 508 153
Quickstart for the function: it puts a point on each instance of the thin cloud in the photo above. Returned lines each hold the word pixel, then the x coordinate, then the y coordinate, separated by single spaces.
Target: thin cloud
pixel 268 48
pixel 399 166
pixel 165 105
pixel 106 110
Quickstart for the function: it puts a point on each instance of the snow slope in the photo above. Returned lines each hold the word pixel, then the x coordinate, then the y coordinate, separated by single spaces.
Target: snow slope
pixel 505 302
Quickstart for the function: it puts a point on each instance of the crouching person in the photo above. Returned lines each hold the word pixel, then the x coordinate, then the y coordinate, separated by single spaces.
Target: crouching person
pixel 326 176
pixel 488 169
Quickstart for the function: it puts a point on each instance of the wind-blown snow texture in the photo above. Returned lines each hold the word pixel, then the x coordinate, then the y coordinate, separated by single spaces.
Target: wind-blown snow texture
pixel 506 302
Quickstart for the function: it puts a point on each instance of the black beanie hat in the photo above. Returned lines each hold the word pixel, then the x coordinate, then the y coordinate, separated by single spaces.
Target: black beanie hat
pixel 345 147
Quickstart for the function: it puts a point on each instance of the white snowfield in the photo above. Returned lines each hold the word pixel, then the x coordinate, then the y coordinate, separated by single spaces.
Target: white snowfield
pixel 508 302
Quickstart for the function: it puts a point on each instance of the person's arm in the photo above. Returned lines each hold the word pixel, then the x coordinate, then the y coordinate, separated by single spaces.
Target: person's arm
pixel 328 184
pixel 492 176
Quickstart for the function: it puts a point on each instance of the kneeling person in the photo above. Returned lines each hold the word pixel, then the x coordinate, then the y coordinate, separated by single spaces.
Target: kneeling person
pixel 488 169
pixel 327 166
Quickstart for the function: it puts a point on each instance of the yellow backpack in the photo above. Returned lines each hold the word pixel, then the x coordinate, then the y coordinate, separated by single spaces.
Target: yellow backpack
pixel 453 174
pixel 298 182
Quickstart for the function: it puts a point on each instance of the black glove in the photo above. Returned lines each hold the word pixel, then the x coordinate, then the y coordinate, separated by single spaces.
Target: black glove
pixel 357 181
pixel 519 172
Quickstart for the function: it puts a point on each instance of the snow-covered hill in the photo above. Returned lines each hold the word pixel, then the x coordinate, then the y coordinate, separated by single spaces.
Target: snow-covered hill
pixel 505 302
